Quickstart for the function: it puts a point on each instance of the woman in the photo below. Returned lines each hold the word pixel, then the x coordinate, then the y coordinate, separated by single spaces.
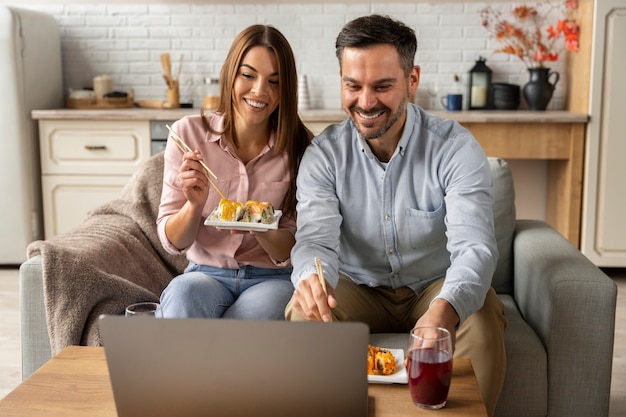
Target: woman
pixel 253 143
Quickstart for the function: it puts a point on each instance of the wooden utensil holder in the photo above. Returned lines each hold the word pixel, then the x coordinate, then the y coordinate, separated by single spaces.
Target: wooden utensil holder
pixel 173 95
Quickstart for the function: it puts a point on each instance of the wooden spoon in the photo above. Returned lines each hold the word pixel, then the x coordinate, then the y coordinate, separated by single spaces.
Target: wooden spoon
pixel 166 63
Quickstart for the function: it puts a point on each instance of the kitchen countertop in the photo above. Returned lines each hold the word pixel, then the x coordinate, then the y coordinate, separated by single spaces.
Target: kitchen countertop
pixel 473 116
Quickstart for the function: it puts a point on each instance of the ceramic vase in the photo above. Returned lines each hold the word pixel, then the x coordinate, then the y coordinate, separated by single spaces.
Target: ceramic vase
pixel 538 91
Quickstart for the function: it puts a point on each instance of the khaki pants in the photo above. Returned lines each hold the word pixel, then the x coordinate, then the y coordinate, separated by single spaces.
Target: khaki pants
pixel 480 338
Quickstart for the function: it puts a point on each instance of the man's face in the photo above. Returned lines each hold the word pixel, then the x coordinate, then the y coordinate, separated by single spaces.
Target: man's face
pixel 375 90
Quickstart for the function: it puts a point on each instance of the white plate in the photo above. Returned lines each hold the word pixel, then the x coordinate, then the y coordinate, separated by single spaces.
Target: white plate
pixel 245 226
pixel 398 377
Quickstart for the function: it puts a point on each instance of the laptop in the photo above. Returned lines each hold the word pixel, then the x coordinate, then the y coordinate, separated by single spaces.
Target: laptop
pixel 236 368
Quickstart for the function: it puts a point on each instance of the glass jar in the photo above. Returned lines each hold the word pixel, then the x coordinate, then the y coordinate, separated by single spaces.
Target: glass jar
pixel 102 84
pixel 211 93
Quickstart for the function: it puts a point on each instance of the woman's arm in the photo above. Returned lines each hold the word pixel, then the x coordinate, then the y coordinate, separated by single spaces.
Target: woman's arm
pixel 277 243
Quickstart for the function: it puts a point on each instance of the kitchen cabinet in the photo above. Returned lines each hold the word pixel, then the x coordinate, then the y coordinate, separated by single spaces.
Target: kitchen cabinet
pixel 604 224
pixel 561 145
pixel 85 163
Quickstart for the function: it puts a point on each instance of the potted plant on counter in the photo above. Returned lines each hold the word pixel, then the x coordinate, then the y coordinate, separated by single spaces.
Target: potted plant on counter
pixel 529 35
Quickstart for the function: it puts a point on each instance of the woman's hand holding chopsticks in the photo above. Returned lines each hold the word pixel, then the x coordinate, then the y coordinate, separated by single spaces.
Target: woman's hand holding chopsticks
pixel 182 227
pixel 193 180
pixel 182 145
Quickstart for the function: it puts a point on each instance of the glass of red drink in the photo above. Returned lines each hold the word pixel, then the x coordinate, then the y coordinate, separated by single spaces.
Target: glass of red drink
pixel 429 366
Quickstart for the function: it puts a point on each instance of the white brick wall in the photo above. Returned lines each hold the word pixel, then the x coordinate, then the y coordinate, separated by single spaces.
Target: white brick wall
pixel 125 41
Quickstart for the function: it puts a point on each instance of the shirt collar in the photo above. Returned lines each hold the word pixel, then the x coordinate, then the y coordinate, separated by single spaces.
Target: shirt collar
pixel 217 123
pixel 410 124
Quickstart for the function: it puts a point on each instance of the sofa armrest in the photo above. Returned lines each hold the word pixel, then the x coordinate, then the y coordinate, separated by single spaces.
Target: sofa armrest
pixel 570 303
pixel 34 329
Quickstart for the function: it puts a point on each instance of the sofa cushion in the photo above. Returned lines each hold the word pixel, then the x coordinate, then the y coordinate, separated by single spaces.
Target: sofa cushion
pixel 504 221
pixel 525 390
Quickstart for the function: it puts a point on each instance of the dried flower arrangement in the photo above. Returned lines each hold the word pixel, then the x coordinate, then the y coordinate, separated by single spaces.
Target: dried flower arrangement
pixel 527 36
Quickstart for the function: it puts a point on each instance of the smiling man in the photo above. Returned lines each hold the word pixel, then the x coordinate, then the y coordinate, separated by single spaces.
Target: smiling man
pixel 397 204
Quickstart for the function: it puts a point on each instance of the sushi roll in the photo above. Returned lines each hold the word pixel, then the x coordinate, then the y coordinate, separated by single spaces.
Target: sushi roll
pixel 380 361
pixel 259 212
pixel 251 212
pixel 229 211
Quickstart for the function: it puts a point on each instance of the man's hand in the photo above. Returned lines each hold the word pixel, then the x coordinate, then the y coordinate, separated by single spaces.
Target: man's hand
pixel 440 314
pixel 310 301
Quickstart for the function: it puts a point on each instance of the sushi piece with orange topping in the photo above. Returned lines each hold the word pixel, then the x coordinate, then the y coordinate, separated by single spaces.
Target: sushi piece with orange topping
pixel 380 361
pixel 251 211
pixel 229 210
pixel 259 212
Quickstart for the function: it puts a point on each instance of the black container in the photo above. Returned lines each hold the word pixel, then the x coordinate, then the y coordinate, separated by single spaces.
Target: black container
pixel 505 96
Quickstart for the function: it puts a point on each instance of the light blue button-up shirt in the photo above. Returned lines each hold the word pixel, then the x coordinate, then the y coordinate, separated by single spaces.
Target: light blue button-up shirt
pixel 425 214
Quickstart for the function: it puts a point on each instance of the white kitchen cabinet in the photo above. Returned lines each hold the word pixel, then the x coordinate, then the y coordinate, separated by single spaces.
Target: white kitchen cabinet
pixel 68 199
pixel 85 163
pixel 603 237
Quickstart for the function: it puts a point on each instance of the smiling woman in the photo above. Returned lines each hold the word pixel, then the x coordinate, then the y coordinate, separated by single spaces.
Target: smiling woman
pixel 253 144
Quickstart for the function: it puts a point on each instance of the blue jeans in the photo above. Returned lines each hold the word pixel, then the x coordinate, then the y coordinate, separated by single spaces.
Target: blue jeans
pixel 246 293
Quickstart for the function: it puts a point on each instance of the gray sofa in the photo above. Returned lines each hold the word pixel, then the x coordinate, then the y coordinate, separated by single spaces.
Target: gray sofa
pixel 560 307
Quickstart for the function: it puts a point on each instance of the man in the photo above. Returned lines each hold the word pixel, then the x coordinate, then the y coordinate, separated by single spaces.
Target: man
pixel 397 204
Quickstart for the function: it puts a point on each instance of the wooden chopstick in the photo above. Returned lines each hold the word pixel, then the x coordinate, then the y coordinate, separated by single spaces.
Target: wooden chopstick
pixel 320 274
pixel 185 148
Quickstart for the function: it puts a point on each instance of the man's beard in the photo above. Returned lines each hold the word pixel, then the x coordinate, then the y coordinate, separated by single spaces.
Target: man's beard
pixel 380 132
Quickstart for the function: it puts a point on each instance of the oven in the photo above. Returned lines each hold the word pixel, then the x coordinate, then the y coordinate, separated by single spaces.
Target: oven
pixel 158 134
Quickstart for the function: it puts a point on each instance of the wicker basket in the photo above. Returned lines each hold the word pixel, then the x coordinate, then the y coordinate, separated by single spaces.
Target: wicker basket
pixel 100 103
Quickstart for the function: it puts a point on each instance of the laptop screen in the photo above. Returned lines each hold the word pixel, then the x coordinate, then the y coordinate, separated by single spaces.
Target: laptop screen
pixel 222 367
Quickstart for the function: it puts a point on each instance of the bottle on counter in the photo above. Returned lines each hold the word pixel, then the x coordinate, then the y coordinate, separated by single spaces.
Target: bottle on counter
pixel 211 93
pixel 304 101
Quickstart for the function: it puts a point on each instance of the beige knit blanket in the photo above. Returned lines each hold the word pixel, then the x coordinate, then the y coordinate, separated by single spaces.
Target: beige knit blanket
pixel 113 259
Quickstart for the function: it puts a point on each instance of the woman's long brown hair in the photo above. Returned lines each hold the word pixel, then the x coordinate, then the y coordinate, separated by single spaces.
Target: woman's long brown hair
pixel 291 134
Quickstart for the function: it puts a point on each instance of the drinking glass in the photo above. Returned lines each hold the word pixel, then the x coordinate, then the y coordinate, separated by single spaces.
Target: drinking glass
pixel 146 309
pixel 429 366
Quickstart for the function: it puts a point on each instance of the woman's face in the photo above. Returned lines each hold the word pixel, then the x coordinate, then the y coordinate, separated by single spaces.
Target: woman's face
pixel 256 90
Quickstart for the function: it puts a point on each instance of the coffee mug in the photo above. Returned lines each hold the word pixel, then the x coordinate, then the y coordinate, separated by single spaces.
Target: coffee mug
pixel 452 102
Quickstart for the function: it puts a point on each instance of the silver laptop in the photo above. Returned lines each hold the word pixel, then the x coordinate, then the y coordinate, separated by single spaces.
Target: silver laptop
pixel 232 368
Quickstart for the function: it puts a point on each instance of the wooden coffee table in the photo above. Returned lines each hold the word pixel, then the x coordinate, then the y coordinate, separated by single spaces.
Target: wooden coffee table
pixel 76 383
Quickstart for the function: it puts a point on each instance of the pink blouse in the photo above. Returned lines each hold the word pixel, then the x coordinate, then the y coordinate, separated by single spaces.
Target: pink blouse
pixel 264 178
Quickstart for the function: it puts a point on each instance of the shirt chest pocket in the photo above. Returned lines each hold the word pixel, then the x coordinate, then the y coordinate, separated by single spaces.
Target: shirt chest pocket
pixel 425 228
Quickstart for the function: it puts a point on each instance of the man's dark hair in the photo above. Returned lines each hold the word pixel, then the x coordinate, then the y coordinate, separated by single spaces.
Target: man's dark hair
pixel 375 29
